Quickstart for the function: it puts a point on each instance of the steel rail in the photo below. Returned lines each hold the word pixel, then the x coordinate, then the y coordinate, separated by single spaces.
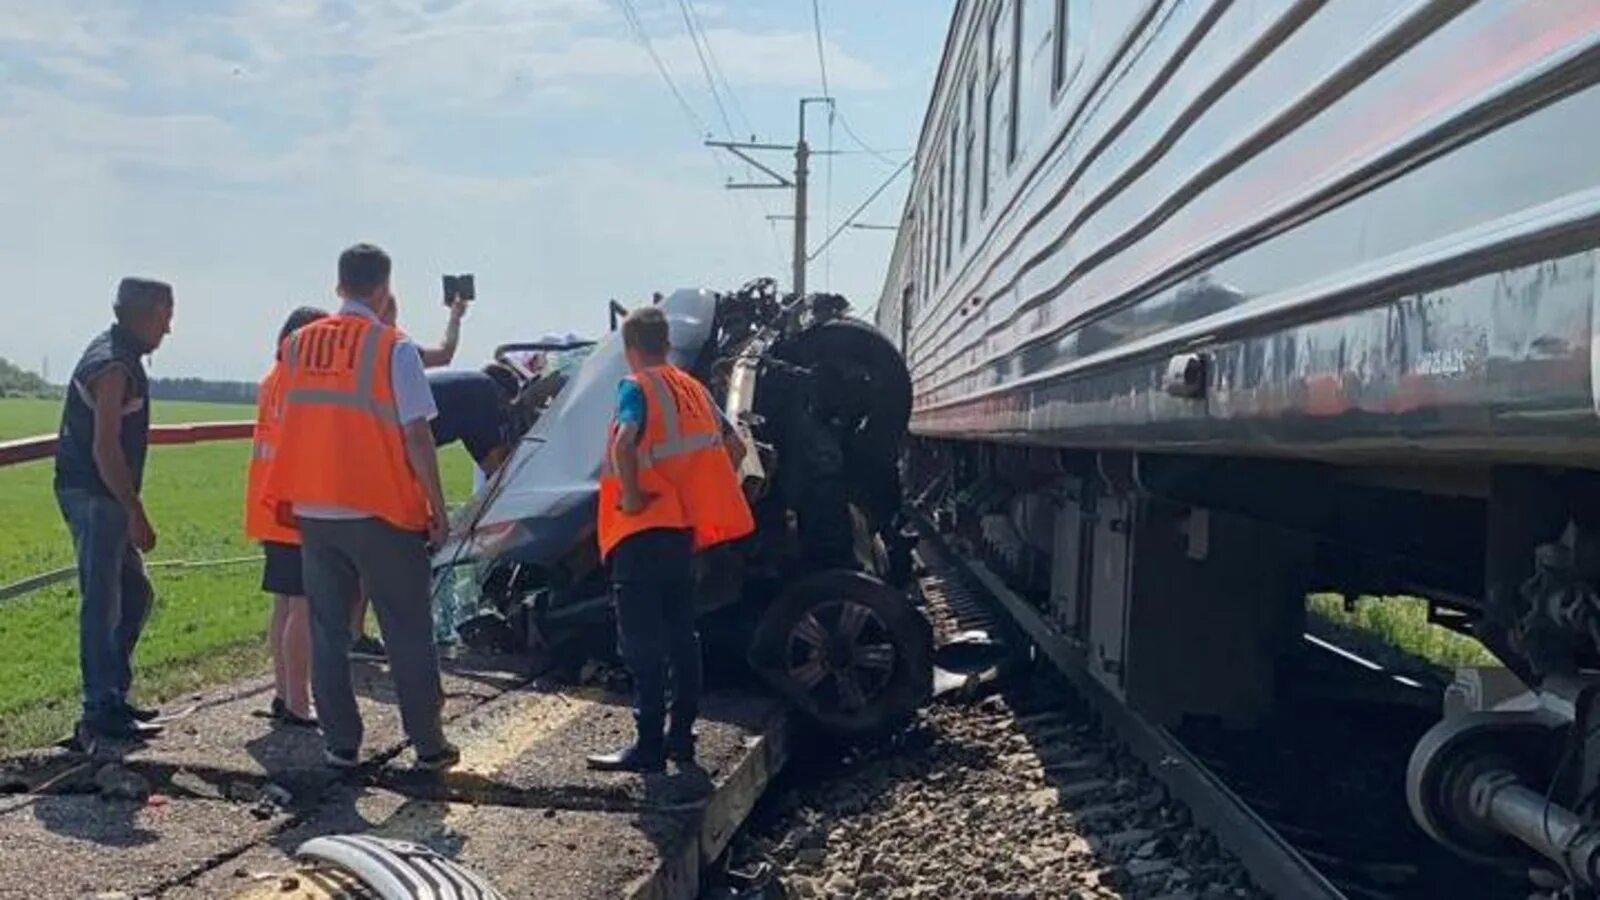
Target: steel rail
pixel 1276 865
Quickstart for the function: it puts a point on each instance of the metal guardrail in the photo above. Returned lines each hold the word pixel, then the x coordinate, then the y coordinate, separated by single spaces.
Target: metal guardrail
pixel 45 579
pixel 44 446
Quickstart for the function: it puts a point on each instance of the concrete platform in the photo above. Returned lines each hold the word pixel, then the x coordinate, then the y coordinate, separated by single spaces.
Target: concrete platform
pixel 542 853
pixel 69 847
pixel 522 809
pixel 220 745
pixel 230 741
pixel 529 748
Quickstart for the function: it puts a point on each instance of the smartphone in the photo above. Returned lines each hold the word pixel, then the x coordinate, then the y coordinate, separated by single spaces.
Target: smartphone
pixel 459 286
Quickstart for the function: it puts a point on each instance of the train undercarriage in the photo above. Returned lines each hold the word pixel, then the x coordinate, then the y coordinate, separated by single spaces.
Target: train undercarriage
pixel 1180 582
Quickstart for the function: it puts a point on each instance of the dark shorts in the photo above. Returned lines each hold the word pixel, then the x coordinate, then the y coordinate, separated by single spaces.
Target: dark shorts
pixel 282 572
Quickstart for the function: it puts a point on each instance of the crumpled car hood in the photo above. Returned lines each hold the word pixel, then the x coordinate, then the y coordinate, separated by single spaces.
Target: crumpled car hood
pixel 541 504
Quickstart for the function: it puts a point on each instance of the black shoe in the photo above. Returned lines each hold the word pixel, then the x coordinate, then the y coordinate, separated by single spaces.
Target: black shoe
pixel 446 758
pixel 283 715
pixel 140 715
pixel 84 740
pixel 680 748
pixel 122 727
pixel 633 758
pixel 366 647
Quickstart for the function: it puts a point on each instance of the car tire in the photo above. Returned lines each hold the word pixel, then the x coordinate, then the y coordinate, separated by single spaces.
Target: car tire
pixel 847 651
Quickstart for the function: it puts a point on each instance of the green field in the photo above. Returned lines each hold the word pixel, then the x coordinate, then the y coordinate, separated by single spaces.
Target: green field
pixel 208 624
pixel 1401 623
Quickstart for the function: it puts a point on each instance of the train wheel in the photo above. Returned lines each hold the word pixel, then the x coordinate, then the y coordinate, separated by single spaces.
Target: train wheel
pixel 847 651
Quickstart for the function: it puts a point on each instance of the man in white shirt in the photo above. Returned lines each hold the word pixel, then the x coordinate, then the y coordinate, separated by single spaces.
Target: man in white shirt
pixel 358 466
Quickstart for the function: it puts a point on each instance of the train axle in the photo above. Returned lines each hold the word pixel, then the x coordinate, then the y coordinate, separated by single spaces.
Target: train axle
pixel 1514 787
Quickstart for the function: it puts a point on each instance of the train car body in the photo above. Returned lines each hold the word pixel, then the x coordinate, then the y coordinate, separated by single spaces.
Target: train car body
pixel 1209 304
pixel 1373 223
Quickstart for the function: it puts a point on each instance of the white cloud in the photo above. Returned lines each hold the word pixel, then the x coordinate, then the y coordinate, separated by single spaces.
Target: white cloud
pixel 234 149
pixel 82 72
pixel 748 59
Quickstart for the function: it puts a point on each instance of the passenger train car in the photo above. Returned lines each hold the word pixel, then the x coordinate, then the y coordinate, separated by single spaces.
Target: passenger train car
pixel 1209 304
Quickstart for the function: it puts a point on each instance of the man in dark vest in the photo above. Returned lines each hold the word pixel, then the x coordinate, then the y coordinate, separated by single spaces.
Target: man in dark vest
pixel 105 429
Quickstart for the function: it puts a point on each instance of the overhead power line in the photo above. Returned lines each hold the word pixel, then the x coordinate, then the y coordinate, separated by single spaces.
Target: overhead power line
pixel 695 122
pixel 822 62
pixel 712 69
pixel 860 209
pixel 865 147
pixel 822 66
pixel 705 67
pixel 632 16
pixel 716 67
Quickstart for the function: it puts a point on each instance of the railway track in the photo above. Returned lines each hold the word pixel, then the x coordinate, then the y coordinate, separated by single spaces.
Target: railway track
pixel 1303 828
pixel 1015 796
pixel 1048 788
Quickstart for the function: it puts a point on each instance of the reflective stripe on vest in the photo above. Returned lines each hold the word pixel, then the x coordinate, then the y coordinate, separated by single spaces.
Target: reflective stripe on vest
pixel 342 443
pixel 674 442
pixel 261 520
pixel 362 397
pixel 681 463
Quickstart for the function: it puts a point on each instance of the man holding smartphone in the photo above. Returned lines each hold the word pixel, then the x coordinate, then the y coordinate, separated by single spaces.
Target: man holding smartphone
pixel 105 431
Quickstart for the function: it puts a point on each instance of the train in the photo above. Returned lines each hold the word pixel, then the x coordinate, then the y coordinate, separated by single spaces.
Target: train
pixel 1208 305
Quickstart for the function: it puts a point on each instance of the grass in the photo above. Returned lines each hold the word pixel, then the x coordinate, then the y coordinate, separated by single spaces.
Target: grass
pixel 208 624
pixel 1402 623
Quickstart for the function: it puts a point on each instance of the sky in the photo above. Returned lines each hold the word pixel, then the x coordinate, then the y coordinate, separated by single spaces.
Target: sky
pixel 234 147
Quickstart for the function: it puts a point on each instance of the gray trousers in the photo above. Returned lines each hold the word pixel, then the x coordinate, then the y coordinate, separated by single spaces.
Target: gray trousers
pixel 342 558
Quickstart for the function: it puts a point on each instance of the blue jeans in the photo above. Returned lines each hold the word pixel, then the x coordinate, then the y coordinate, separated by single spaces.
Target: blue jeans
pixel 115 598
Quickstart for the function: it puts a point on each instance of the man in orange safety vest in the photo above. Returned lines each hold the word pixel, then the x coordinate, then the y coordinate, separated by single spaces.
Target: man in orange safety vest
pixel 289 633
pixel 668 490
pixel 355 465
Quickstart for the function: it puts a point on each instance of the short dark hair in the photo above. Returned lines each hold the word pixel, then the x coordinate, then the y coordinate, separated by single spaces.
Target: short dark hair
pixel 645 330
pixel 363 268
pixel 299 319
pixel 137 296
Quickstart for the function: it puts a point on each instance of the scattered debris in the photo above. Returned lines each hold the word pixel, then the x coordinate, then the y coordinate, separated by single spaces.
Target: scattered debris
pixel 274 799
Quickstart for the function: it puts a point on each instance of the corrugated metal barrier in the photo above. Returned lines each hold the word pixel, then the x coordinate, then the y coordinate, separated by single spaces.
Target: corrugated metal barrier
pixel 44 446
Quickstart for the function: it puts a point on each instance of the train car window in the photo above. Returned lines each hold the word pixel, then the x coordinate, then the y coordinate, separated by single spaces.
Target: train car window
pixel 1058 50
pixel 955 151
pixel 993 46
pixel 1016 82
pixel 938 226
pixel 993 77
pixel 922 250
pixel 966 158
pixel 927 244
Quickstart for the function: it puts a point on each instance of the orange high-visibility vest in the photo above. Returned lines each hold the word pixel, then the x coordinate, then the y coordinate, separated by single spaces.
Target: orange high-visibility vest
pixel 261 520
pixel 681 463
pixel 340 441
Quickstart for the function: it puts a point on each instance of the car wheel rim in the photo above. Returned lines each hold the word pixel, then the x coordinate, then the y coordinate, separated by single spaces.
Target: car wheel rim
pixel 841 654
